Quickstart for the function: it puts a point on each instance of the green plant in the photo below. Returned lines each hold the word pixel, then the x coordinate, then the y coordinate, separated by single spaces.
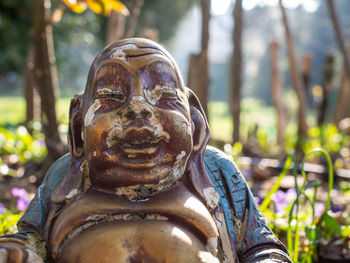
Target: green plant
pixel 296 219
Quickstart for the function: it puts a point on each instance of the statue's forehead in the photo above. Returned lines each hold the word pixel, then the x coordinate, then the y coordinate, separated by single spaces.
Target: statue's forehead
pixel 136 63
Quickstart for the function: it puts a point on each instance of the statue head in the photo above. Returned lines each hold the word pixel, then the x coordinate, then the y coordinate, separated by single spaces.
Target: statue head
pixel 137 125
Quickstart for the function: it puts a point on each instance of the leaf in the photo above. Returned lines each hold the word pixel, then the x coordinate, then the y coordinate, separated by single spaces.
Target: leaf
pixel 313 234
pixel 330 225
pixel 76 6
pixel 313 184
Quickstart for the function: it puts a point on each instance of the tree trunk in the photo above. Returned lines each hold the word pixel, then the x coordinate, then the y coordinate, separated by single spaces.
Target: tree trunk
pixel 197 80
pixel 115 27
pixel 132 19
pixel 276 90
pixel 120 26
pixel 236 69
pixel 306 62
pixel 46 78
pixel 198 73
pixel 343 97
pixel 328 70
pixel 295 76
pixel 339 36
pixel 31 95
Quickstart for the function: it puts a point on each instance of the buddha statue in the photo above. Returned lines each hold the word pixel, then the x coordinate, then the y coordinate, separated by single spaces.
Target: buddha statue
pixel 140 183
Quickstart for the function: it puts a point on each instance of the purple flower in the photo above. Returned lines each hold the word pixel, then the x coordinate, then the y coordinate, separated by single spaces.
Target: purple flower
pixel 283 199
pixel 291 194
pixel 259 197
pixel 319 208
pixel 22 204
pixel 280 201
pixel 22 195
pixel 336 209
pixel 19 192
pixel 2 208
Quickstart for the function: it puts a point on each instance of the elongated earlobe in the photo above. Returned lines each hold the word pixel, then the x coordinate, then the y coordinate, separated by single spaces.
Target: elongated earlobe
pixel 75 140
pixel 199 121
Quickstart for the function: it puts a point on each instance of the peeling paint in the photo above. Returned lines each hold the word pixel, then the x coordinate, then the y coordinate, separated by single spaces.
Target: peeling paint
pixel 136 192
pixel 34 243
pixel 186 127
pixel 90 114
pixel 212 197
pixel 118 54
pixel 154 95
pixel 72 194
pixel 84 168
pixel 128 191
pixel 207 257
pixel 128 216
pixel 212 245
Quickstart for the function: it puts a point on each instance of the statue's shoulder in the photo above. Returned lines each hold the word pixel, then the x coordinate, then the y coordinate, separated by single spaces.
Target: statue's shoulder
pixel 215 158
pixel 57 171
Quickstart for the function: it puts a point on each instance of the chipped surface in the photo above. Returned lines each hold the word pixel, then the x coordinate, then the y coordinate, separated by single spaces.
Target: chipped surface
pixel 90 114
pixel 72 194
pixel 212 245
pixel 212 197
pixel 84 168
pixel 34 243
pixel 154 95
pixel 207 257
pixel 128 191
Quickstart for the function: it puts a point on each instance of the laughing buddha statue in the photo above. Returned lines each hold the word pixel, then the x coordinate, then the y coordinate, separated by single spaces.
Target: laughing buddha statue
pixel 140 183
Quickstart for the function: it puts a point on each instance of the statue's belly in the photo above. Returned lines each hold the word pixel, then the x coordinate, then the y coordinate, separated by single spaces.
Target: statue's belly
pixel 133 242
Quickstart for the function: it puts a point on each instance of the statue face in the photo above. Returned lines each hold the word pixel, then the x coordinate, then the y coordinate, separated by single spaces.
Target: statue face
pixel 137 125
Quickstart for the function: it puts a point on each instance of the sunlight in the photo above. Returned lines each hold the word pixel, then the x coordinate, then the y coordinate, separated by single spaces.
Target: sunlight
pixel 308 5
pixel 219 7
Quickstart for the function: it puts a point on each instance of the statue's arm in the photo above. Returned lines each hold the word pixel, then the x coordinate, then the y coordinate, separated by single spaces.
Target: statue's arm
pixel 252 238
pixel 28 245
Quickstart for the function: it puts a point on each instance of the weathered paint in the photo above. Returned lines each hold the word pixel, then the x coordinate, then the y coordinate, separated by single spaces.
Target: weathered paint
pixel 90 114
pixel 154 95
pixel 212 197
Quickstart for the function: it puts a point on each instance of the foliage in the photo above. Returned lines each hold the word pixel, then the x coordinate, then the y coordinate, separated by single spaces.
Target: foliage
pixel 10 217
pixel 15 25
pixel 294 215
pixel 18 142
pixel 8 221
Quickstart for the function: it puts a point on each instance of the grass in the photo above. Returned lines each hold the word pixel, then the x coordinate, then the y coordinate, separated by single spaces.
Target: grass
pixel 253 115
pixel 13 110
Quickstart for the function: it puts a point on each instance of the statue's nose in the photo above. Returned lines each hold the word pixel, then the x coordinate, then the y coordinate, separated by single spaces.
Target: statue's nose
pixel 138 109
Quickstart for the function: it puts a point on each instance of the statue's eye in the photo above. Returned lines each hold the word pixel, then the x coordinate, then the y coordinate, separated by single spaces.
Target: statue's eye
pixel 160 92
pixel 111 94
pixel 168 91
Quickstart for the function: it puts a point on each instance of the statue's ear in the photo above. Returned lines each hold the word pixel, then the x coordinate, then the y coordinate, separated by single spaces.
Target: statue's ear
pixel 200 127
pixel 75 141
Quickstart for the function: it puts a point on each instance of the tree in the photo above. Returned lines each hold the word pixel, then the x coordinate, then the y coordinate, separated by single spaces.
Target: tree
pixel 198 75
pixel 45 73
pixel 295 76
pixel 276 91
pixel 236 69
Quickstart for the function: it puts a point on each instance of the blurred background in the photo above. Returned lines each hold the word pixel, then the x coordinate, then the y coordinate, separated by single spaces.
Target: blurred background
pixel 272 76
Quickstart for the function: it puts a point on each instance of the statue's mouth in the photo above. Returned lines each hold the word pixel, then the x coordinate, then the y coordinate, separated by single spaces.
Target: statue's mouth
pixel 136 148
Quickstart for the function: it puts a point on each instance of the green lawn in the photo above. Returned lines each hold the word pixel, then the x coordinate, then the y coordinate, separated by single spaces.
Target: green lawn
pixel 13 110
